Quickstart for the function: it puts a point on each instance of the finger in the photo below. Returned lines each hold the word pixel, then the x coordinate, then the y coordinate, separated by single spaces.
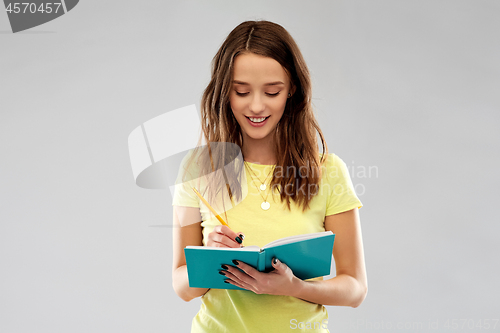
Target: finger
pixel 239 276
pixel 279 266
pixel 249 270
pixel 236 274
pixel 237 281
pixel 237 238
pixel 219 240
pixel 214 243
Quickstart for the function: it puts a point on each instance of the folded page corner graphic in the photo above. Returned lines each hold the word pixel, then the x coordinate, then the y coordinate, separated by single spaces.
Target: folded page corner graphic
pixel 156 146
pixel 70 4
pixel 26 15
pixel 164 154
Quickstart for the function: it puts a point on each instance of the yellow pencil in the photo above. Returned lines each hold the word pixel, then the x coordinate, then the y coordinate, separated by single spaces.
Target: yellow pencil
pixel 210 207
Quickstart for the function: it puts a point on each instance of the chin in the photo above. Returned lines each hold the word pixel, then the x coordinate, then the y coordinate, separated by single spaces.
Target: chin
pixel 259 136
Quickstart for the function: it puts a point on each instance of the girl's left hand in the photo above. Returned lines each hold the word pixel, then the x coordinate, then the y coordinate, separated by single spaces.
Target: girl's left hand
pixel 280 281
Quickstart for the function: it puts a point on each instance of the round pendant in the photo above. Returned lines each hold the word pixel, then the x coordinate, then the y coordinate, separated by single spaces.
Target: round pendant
pixel 262 187
pixel 265 205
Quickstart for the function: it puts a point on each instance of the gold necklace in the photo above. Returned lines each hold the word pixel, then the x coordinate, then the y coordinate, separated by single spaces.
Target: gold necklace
pixel 265 205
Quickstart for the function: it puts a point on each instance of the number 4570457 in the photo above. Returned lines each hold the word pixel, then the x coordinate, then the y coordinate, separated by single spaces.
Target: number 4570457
pixel 27 7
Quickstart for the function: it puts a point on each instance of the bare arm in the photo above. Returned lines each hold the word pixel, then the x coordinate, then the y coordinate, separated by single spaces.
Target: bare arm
pixel 189 234
pixel 350 286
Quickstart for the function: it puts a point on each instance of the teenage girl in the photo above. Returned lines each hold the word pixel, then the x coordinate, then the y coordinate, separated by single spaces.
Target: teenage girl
pixel 259 98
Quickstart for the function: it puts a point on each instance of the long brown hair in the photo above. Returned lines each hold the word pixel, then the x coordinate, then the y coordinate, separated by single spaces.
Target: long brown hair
pixel 295 136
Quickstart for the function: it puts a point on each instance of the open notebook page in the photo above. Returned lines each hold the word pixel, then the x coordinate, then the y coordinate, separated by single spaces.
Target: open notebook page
pixel 293 239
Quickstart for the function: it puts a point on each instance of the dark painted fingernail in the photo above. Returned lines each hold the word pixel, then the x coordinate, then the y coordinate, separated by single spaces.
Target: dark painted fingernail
pixel 223 266
pixel 275 261
pixel 235 262
pixel 242 236
pixel 239 240
pixel 226 281
pixel 222 273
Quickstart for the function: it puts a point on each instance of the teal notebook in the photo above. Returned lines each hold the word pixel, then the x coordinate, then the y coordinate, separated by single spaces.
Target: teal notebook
pixel 308 256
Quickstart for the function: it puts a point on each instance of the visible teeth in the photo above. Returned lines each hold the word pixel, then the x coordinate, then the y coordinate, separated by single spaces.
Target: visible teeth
pixel 257 120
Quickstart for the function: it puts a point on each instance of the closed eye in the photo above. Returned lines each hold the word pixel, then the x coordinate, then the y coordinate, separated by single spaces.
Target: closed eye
pixel 268 94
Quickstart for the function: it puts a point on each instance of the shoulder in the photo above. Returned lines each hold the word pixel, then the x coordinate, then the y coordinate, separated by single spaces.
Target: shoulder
pixel 188 167
pixel 331 160
pixel 333 167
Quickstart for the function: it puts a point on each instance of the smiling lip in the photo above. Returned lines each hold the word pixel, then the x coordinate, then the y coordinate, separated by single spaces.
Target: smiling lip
pixel 262 123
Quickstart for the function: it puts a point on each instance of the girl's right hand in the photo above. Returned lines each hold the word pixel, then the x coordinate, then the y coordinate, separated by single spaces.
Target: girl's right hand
pixel 222 236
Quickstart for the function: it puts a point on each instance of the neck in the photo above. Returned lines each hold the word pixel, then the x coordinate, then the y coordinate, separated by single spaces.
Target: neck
pixel 259 151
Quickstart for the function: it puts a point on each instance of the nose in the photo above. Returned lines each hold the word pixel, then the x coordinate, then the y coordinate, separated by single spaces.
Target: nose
pixel 257 104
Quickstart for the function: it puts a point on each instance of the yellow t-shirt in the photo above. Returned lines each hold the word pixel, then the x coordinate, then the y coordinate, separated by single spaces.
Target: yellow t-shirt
pixel 244 311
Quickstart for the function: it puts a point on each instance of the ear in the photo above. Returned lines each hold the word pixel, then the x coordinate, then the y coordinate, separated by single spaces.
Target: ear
pixel 292 91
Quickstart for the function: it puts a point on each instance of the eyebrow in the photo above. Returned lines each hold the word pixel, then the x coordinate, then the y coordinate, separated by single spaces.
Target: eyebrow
pixel 266 84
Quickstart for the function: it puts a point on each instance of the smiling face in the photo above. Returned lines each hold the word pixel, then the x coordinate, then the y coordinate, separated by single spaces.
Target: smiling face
pixel 258 95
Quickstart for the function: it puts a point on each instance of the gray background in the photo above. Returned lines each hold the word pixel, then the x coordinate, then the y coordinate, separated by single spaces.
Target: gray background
pixel 407 87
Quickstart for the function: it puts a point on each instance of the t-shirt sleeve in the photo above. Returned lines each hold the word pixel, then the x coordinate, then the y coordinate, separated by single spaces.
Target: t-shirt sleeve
pixel 341 194
pixel 183 193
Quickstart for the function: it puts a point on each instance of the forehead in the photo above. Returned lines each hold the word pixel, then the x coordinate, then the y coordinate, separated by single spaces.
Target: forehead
pixel 256 69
